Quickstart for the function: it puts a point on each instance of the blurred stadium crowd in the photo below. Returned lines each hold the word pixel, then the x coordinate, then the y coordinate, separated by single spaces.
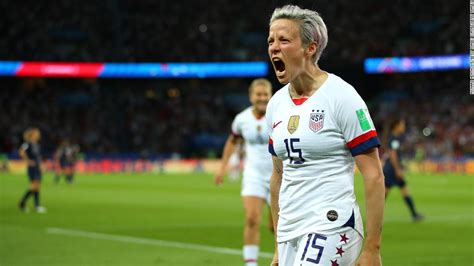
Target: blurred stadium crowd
pixel 192 117
pixel 173 31
pixel 438 110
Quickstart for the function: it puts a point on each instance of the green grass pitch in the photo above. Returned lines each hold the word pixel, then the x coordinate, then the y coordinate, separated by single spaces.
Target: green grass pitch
pixel 171 219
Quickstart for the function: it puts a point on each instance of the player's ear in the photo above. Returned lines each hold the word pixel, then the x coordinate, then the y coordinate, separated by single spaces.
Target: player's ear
pixel 311 49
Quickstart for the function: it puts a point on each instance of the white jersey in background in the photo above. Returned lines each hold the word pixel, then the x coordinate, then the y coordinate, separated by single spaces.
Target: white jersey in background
pixel 316 139
pixel 258 162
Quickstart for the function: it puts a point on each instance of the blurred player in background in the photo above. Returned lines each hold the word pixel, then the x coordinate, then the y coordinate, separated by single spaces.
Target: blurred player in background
pixel 65 158
pixel 393 169
pixel 250 129
pixel 4 163
pixel 30 153
pixel 319 125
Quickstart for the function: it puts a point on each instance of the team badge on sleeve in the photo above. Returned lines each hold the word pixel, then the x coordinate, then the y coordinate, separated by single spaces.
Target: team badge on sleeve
pixel 316 120
pixel 293 123
pixel 364 119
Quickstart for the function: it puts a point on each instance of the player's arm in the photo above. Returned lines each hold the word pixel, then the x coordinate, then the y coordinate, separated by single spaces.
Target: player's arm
pixel 24 156
pixel 275 183
pixel 371 170
pixel 396 163
pixel 229 148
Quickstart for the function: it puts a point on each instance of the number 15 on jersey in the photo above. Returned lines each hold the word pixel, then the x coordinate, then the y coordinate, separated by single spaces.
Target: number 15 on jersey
pixel 295 154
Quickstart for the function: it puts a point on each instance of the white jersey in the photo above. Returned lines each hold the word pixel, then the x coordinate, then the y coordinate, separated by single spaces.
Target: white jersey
pixel 258 162
pixel 316 140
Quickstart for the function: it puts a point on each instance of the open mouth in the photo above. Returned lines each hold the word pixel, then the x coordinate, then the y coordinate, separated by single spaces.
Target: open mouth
pixel 279 66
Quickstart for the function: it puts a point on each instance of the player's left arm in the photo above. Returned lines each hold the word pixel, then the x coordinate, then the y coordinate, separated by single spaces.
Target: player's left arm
pixel 370 167
pixel 359 131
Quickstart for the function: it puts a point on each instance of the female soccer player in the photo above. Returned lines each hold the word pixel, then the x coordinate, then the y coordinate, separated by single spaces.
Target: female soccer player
pixel 249 126
pixel 319 125
pixel 30 152
pixel 393 169
pixel 65 157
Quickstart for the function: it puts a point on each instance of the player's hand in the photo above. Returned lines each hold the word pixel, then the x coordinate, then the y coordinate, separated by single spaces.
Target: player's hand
pixel 31 163
pixel 219 179
pixel 369 258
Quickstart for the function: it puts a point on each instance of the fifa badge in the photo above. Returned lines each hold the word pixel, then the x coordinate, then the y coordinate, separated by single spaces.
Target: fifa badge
pixel 293 123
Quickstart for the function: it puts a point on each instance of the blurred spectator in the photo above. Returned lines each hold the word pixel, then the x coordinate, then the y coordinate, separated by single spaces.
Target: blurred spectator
pixel 112 116
pixel 438 109
pixel 192 117
pixel 221 30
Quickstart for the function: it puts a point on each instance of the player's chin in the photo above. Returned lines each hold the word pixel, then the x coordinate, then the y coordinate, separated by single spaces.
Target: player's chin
pixel 262 107
pixel 282 77
pixel 283 81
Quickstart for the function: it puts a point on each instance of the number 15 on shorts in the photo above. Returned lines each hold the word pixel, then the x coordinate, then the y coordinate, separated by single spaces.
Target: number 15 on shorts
pixel 313 249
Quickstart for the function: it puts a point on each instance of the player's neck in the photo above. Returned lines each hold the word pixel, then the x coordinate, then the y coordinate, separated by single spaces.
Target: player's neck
pixel 308 83
pixel 258 114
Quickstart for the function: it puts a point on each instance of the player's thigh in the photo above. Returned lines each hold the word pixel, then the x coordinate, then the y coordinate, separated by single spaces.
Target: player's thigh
pixel 339 248
pixel 35 184
pixel 253 206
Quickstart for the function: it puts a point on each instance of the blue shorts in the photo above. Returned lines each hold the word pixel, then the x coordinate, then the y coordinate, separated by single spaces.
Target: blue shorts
pixel 66 163
pixel 392 180
pixel 34 173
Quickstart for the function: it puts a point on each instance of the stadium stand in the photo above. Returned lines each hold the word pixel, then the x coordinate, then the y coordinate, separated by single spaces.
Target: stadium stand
pixel 191 118
pixel 139 31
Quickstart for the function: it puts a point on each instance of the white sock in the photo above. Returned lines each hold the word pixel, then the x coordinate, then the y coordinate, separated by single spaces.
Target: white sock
pixel 251 255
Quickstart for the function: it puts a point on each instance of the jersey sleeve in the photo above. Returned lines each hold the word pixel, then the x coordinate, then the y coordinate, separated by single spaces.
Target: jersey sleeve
pixel 269 121
pixel 236 127
pixel 356 124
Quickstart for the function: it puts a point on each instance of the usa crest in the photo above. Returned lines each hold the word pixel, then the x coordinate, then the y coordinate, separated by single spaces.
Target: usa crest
pixel 316 120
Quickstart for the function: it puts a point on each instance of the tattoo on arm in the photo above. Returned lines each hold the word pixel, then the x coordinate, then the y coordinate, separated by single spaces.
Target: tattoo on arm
pixel 277 165
pixel 278 169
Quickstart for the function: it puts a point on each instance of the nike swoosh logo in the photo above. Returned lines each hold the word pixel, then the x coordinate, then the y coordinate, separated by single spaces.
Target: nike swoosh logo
pixel 275 124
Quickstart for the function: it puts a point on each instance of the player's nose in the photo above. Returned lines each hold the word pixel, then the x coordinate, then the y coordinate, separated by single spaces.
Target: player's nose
pixel 273 48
